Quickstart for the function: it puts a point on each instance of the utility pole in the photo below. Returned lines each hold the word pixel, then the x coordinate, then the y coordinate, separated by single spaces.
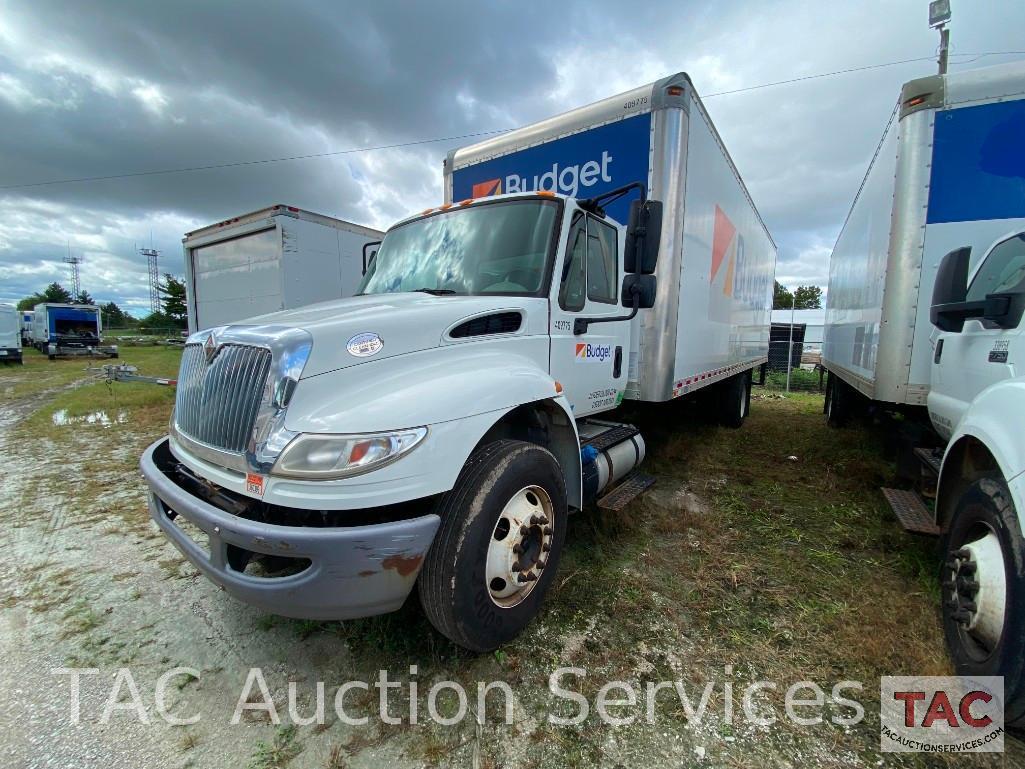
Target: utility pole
pixel 939 16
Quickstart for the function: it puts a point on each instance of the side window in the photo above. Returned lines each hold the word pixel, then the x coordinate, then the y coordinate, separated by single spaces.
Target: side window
pixel 571 290
pixel 1002 272
pixel 602 262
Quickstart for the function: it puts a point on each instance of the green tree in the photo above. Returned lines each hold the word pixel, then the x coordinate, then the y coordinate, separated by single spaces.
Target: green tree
pixel 782 299
pixel 172 299
pixel 84 298
pixel 55 293
pixel 808 297
pixel 114 316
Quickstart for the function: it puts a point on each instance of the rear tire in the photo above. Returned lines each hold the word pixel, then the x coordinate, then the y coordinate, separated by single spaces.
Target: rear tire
pixel 984 566
pixel 735 400
pixel 838 404
pixel 506 490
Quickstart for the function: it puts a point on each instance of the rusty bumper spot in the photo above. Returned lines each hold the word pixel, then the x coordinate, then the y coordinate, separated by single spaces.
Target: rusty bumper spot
pixel 403 564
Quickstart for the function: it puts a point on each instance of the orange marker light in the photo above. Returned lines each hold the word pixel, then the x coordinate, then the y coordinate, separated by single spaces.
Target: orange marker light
pixel 558 386
pixel 426 211
pixel 445 207
pixel 674 90
pixel 466 202
pixel 546 193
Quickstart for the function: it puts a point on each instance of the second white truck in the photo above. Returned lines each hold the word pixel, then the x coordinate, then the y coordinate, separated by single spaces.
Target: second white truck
pixel 438 428
pixel 926 297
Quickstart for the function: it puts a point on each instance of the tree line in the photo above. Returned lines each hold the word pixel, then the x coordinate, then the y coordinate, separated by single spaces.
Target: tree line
pixel 173 312
pixel 801 298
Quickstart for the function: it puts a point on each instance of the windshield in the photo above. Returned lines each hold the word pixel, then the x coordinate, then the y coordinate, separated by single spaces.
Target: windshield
pixel 493 248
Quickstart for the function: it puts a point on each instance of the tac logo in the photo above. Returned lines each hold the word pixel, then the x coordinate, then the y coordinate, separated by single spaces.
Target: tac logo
pixel 592 353
pixel 950 714
pixel 486 189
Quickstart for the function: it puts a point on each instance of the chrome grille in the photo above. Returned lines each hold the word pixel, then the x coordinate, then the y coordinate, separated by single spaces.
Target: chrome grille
pixel 217 401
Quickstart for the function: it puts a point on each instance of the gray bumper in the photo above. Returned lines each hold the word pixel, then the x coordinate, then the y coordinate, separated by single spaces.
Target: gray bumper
pixel 354 571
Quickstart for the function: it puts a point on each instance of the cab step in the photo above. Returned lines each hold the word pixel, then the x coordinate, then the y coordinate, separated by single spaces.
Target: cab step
pixel 911 511
pixel 931 459
pixel 627 490
pixel 615 434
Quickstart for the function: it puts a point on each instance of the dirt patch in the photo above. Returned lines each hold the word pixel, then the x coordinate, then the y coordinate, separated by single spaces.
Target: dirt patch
pixel 739 565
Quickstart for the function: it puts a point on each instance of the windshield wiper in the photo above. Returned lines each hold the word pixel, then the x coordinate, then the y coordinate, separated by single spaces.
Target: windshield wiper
pixel 434 291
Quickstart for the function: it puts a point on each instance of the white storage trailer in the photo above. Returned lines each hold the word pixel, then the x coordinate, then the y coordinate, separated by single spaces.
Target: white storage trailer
pixel 438 427
pixel 937 182
pixel 717 260
pixel 10 334
pixel 26 328
pixel 278 258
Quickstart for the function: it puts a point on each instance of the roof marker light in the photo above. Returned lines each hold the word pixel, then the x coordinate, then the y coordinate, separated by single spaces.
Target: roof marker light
pixel 674 90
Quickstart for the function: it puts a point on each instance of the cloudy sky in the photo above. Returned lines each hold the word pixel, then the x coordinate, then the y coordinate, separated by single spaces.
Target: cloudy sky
pixel 105 88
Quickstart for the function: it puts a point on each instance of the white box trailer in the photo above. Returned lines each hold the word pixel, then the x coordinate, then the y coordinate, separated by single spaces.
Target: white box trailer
pixel 10 334
pixel 277 258
pixel 26 328
pixel 717 260
pixel 938 181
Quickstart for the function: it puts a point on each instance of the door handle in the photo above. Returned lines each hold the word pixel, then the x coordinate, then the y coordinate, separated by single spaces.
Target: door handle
pixel 617 363
pixel 939 351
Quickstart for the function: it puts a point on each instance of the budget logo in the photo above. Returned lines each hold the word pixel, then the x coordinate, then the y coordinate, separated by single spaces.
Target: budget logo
pixel 941 714
pixel 592 353
pixel 724 251
pixel 487 189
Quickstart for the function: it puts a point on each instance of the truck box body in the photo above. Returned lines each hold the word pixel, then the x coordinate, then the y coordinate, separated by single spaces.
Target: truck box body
pixel 57 323
pixel 10 333
pixel 947 173
pixel 277 258
pixel 717 260
pixel 26 327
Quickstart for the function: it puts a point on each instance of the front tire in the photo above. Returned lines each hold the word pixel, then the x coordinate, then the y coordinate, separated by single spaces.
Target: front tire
pixel 496 552
pixel 983 584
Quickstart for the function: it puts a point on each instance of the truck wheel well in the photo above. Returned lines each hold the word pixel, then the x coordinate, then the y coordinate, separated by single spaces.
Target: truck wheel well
pixel 967 461
pixel 545 424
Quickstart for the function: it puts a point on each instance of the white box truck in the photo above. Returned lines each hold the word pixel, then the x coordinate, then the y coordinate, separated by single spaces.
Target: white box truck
pixel 277 258
pixel 926 296
pixel 438 427
pixel 10 334
pixel 69 330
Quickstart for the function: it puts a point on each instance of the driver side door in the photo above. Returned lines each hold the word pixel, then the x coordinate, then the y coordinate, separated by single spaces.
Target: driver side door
pixel 591 366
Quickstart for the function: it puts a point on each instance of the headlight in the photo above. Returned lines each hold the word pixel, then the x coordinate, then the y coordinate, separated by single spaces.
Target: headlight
pixel 312 455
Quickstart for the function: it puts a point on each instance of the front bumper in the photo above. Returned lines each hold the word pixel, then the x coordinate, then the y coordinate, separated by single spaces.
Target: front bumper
pixel 355 571
pixel 12 354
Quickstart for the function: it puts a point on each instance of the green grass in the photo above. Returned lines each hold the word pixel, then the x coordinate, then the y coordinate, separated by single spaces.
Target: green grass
pixel 279 752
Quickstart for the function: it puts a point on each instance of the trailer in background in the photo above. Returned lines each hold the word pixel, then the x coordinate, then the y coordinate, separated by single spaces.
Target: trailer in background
pixel 10 334
pixel 26 328
pixel 69 330
pixel 277 258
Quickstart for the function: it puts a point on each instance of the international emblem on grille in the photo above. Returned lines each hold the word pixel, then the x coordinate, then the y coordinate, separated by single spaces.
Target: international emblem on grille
pixel 210 348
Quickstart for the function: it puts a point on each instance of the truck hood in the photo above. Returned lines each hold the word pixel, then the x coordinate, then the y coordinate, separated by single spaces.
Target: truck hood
pixel 403 322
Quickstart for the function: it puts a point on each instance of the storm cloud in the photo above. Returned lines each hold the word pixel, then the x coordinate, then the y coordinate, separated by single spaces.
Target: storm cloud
pixel 108 88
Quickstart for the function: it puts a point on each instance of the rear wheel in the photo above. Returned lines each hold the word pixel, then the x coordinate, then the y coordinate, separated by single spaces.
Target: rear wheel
pixel 983 583
pixel 497 550
pixel 735 400
pixel 838 401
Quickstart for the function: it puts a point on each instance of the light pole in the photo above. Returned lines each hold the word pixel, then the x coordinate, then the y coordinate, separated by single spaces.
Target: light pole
pixel 790 344
pixel 939 15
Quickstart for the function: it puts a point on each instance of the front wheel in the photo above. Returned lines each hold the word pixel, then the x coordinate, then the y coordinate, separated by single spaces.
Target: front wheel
pixel 983 583
pixel 495 555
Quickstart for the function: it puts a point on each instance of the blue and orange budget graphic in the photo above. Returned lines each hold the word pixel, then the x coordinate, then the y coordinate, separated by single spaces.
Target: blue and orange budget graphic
pixel 486 189
pixel 724 249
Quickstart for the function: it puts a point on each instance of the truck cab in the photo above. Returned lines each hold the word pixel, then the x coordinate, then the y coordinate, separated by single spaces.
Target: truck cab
pixel 428 430
pixel 977 403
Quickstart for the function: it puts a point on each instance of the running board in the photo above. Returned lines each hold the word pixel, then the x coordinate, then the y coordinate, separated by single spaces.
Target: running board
pixel 627 490
pixel 911 511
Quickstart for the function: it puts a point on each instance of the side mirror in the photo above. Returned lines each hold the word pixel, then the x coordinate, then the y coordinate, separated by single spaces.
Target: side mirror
pixel 949 309
pixel 643 233
pixel 367 260
pixel 641 287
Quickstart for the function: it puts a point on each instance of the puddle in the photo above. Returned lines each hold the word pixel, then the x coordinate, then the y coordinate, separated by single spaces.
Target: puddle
pixel 102 418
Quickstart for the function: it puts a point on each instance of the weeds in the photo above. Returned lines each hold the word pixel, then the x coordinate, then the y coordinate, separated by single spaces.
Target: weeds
pixel 277 753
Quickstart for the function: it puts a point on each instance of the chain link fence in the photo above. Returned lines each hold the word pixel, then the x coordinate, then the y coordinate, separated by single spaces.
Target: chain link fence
pixel 795 367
